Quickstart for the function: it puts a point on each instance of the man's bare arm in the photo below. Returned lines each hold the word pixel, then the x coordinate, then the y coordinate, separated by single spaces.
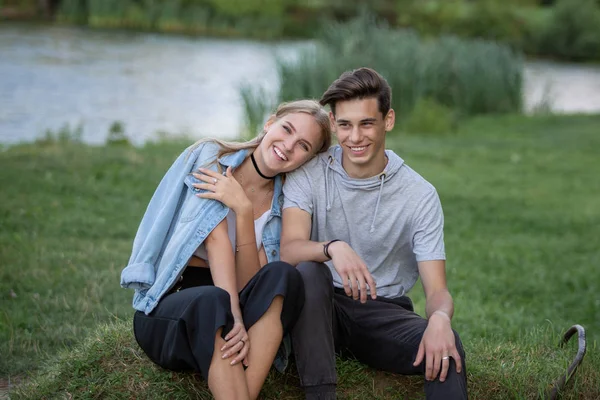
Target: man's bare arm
pixel 438 298
pixel 438 343
pixel 296 245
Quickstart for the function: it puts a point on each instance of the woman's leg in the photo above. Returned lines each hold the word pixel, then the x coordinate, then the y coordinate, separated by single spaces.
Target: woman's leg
pixel 226 381
pixel 184 333
pixel 265 337
pixel 271 303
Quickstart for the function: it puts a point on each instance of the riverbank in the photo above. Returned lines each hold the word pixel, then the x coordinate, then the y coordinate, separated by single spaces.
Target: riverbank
pixel 520 200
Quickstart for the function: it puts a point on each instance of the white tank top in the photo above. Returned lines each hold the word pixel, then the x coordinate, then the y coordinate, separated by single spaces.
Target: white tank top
pixel 259 226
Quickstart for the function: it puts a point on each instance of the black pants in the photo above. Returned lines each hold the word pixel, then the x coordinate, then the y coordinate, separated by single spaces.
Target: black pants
pixel 179 334
pixel 384 334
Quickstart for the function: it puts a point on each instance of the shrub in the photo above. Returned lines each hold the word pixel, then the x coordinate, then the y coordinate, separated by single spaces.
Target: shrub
pixel 573 31
pixel 429 116
pixel 66 134
pixel 116 135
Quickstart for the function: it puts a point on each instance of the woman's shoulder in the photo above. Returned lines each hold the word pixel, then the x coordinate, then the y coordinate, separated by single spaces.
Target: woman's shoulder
pixel 202 152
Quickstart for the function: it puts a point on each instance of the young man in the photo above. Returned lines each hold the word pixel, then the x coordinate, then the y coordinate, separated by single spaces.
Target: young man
pixel 362 226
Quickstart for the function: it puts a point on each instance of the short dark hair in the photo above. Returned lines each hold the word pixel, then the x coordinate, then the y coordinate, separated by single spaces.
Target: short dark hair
pixel 361 83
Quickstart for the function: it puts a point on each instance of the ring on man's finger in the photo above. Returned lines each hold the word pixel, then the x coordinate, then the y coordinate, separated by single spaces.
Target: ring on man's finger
pixel 214 181
pixel 445 357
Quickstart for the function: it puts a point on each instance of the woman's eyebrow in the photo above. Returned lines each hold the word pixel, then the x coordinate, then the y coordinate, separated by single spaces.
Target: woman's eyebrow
pixel 291 125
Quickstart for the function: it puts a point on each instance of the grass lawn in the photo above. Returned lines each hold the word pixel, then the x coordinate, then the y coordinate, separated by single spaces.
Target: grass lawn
pixel 521 197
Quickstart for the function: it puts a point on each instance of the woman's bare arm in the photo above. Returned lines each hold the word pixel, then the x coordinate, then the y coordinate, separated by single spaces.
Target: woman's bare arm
pixel 247 261
pixel 222 264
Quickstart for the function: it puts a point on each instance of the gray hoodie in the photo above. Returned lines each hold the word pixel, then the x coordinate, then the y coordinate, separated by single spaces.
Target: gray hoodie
pixel 392 220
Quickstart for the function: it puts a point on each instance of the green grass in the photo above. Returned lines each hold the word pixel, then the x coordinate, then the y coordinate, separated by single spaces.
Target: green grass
pixel 520 196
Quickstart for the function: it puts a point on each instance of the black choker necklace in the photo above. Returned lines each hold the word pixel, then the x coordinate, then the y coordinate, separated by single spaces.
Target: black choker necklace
pixel 258 170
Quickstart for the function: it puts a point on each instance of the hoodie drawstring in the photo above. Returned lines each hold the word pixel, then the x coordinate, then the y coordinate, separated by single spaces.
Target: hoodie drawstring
pixel 382 179
pixel 327 188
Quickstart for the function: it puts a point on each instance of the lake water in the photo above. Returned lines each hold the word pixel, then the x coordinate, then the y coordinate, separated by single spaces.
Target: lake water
pixel 50 76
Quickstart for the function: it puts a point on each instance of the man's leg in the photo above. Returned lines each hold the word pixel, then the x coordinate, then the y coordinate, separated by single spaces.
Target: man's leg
pixel 387 337
pixel 313 334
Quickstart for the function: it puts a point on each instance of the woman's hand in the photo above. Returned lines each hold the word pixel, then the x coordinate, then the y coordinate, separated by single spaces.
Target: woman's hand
pixel 238 343
pixel 224 188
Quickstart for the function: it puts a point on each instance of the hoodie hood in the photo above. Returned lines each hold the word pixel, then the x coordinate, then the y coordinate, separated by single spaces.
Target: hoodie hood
pixel 334 167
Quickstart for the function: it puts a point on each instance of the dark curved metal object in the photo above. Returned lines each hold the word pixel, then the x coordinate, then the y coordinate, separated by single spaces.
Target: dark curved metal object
pixel 562 381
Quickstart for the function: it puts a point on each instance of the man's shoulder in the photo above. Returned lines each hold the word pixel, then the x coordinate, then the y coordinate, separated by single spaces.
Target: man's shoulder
pixel 414 182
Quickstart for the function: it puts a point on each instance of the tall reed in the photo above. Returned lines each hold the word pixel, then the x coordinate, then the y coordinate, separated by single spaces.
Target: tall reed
pixel 469 76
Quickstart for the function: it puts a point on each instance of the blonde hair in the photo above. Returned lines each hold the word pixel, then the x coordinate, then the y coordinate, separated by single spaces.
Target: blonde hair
pixel 310 107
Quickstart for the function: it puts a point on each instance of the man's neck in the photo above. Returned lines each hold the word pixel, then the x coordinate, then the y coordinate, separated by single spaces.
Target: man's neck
pixel 366 171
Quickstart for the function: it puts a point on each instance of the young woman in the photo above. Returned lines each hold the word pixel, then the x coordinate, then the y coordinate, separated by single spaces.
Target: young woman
pixel 210 292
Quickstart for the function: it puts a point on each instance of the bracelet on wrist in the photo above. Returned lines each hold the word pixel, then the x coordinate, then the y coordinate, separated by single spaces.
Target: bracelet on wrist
pixel 237 247
pixel 326 247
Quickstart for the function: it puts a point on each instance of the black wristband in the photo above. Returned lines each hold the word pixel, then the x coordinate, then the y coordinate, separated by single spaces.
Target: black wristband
pixel 326 248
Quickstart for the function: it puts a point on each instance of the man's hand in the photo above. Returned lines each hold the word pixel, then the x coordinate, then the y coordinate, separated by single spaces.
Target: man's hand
pixel 437 346
pixel 353 271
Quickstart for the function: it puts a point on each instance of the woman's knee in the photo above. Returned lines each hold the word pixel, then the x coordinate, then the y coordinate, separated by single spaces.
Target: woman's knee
pixel 282 271
pixel 279 268
pixel 208 298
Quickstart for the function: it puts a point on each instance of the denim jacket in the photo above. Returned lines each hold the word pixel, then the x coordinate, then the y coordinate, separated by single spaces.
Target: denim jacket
pixel 176 222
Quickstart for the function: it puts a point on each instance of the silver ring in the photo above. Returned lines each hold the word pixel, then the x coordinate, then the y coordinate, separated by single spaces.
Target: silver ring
pixel 214 181
pixel 445 357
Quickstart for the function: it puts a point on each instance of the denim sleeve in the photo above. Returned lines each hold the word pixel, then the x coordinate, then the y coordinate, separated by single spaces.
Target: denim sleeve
pixel 428 229
pixel 140 271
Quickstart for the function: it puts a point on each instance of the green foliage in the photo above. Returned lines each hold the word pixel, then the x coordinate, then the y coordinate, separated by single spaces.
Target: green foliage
pixel 232 17
pixel 428 116
pixel 66 134
pixel 568 30
pixel 573 30
pixel 116 135
pixel 73 11
pixel 520 197
pixel 471 77
pixel 493 20
pixel 257 106
pixel 270 8
pixel 482 19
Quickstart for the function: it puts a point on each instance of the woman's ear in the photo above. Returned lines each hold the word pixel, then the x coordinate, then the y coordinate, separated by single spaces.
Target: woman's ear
pixel 269 122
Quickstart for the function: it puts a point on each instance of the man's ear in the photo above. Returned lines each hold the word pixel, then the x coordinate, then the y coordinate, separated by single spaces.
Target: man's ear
pixel 390 120
pixel 332 121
